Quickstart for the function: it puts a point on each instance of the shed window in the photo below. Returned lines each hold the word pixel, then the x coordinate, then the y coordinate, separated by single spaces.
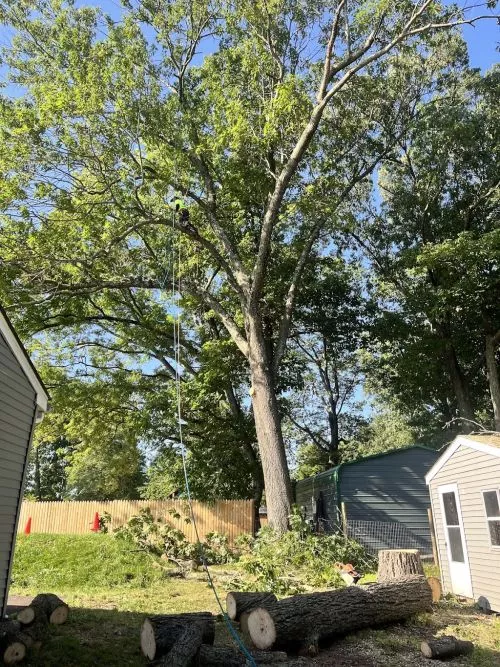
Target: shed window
pixel 492 507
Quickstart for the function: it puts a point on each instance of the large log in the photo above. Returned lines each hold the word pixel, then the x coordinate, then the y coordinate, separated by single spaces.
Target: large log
pixel 160 633
pixel 304 618
pixel 44 606
pixel 237 603
pixel 446 647
pixel 12 648
pixel 398 563
pixel 215 656
pixel 185 650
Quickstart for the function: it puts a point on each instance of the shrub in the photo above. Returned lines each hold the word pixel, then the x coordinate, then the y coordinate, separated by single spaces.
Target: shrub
pixel 288 563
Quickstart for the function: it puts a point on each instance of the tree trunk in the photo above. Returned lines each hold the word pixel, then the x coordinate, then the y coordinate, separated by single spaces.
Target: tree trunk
pixel 332 613
pixel 445 647
pixel 183 653
pixel 216 656
pixel 12 647
pixel 493 378
pixel 45 607
pixel 268 428
pixel 237 603
pixel 398 563
pixel 460 388
pixel 160 633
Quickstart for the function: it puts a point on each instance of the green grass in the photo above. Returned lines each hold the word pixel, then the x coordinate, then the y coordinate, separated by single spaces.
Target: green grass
pixel 110 589
pixel 80 562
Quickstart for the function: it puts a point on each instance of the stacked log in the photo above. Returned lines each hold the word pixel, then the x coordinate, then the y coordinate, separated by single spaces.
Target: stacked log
pixel 12 647
pixel 316 616
pixel 239 603
pixel 45 608
pixel 159 634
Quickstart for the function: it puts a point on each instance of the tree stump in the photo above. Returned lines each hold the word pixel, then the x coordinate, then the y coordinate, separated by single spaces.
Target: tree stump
pixel 160 633
pixel 45 606
pixel 237 603
pixel 332 613
pixel 445 647
pixel 398 563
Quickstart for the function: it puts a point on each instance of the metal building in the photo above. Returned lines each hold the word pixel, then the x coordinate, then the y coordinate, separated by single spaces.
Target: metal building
pixel 381 500
pixel 23 400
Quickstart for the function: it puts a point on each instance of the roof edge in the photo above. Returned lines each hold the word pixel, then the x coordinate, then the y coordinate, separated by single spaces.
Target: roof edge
pixel 22 356
pixel 460 440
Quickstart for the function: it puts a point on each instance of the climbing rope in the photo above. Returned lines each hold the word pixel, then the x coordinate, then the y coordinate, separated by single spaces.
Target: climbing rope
pixel 176 292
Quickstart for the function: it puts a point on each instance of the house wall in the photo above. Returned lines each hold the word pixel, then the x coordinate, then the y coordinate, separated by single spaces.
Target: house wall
pixel 17 414
pixel 473 472
pixel 391 491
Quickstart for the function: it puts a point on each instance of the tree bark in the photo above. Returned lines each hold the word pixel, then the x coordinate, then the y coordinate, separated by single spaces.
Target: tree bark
pixel 160 633
pixel 12 647
pixel 237 603
pixel 460 388
pixel 446 647
pixel 397 563
pixel 268 428
pixel 338 612
pixel 183 653
pixel 45 607
pixel 493 377
pixel 216 656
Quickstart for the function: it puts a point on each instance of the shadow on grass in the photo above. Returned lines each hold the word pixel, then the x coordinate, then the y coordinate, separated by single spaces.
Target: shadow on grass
pixel 92 637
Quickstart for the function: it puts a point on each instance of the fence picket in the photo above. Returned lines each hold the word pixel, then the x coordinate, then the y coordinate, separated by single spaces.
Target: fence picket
pixel 231 517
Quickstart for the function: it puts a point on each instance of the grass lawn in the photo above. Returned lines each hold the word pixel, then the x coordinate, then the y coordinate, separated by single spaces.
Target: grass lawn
pixel 110 590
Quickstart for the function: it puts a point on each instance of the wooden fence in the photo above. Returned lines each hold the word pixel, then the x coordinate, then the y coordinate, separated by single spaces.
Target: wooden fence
pixel 231 517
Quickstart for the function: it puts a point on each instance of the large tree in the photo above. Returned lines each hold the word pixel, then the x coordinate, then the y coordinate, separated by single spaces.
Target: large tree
pixel 268 116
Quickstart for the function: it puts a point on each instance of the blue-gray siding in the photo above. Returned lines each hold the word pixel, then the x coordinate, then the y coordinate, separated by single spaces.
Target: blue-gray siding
pixel 17 413
pixel 387 491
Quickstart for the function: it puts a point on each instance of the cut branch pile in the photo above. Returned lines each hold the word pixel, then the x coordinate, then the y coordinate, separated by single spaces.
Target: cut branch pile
pixel 16 636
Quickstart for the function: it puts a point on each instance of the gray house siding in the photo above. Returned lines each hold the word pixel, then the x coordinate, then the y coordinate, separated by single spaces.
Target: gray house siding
pixel 473 472
pixel 391 489
pixel 17 415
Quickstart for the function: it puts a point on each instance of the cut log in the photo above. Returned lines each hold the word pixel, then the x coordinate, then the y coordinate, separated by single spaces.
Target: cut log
pixel 332 613
pixel 185 650
pixel 12 648
pixel 215 656
pixel 436 588
pixel 160 633
pixel 45 605
pixel 397 563
pixel 238 603
pixel 445 647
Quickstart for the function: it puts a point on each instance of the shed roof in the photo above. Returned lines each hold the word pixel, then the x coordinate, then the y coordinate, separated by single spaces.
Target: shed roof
pixel 335 469
pixel 19 351
pixel 487 442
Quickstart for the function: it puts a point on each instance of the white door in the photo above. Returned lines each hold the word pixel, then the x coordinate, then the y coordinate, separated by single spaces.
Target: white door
pixel 456 546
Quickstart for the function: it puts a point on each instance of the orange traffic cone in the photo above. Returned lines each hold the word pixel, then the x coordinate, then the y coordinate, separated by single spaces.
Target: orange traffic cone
pixel 27 528
pixel 95 526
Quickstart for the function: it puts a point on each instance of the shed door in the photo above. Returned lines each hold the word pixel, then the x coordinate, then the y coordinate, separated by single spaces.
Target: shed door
pixel 456 546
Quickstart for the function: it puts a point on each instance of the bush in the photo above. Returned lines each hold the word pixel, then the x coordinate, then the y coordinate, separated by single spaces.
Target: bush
pixel 288 563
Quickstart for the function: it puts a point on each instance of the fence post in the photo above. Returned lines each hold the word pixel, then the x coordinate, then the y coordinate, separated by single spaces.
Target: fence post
pixel 433 536
pixel 343 510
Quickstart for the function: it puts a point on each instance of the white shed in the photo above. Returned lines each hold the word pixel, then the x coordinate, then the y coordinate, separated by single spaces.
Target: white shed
pixel 464 486
pixel 23 400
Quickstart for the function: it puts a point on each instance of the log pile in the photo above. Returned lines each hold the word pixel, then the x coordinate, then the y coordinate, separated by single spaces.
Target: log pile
pixel 28 630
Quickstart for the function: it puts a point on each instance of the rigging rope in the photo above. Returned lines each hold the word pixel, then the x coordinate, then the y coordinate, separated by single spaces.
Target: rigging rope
pixel 177 289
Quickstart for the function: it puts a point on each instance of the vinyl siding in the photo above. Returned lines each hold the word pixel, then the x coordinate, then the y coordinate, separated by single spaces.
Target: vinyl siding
pixel 473 472
pixel 17 412
pixel 391 489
